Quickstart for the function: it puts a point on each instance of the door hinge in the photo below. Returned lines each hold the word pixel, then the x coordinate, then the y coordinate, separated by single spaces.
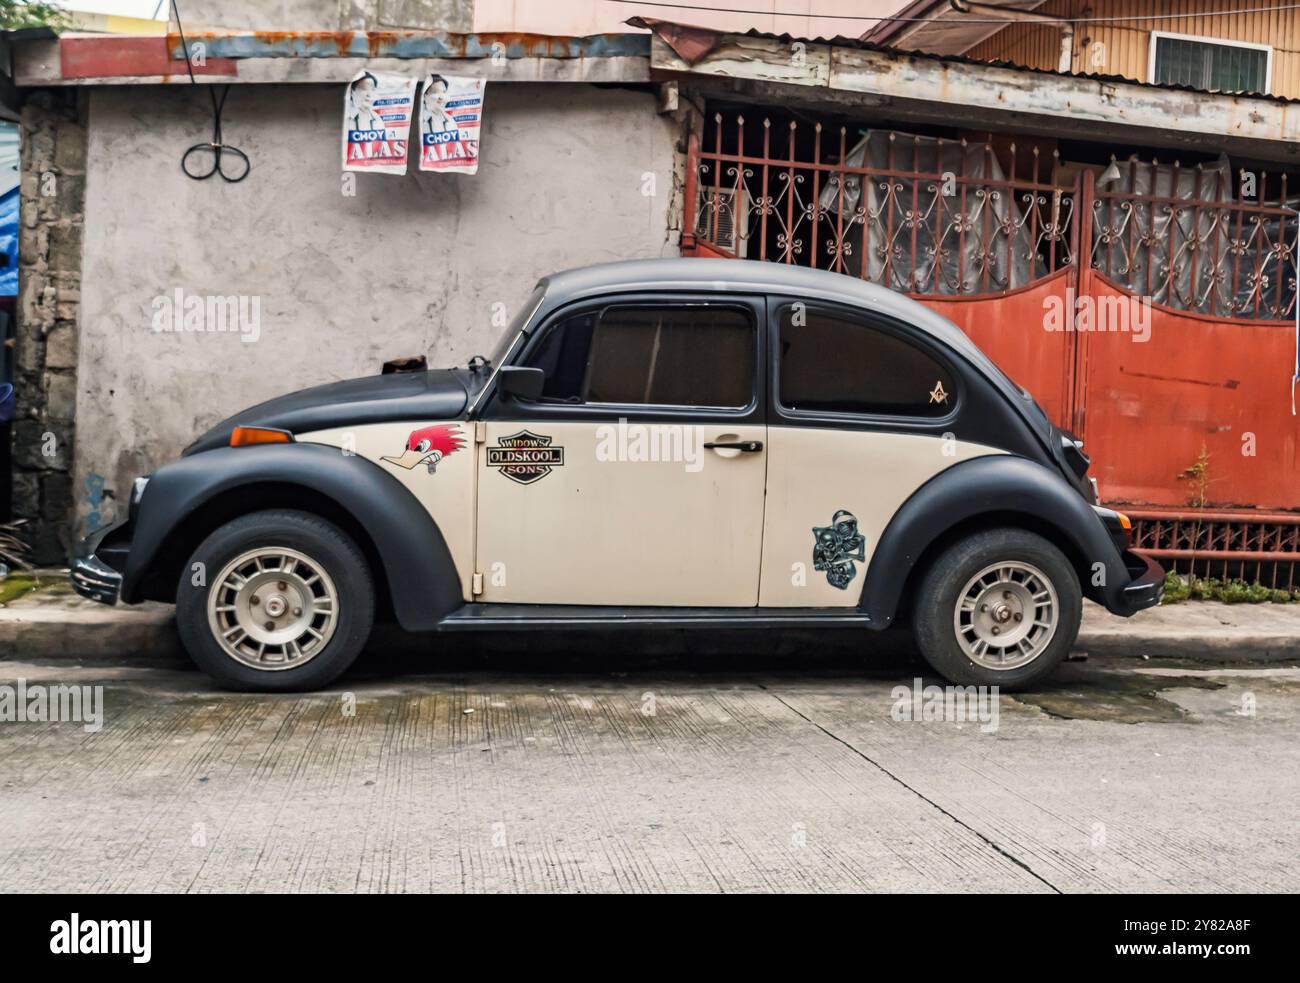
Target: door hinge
pixel 476 585
pixel 480 431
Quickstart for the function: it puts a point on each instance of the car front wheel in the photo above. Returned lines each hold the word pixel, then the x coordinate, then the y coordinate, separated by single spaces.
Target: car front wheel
pixel 275 601
pixel 999 608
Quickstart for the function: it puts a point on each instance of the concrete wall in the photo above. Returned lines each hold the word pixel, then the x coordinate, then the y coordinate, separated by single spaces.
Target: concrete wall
pixel 820 18
pixel 409 265
pixel 817 18
pixel 328 15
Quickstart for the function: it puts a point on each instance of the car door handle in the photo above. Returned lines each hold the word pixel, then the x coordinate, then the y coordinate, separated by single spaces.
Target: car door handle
pixel 747 446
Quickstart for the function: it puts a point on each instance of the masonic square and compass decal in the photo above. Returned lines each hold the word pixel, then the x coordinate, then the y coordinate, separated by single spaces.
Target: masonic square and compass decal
pixel 525 457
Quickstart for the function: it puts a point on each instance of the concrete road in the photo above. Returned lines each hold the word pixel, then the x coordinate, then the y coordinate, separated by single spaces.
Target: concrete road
pixel 623 770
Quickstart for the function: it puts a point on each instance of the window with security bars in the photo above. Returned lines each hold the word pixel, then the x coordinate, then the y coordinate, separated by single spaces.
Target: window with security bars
pixel 1210 66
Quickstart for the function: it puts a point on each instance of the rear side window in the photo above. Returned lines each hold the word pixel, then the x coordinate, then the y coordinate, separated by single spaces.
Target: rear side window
pixel 837 364
pixel 651 355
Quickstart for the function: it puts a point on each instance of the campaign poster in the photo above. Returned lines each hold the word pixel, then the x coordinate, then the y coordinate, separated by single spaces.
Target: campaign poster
pixel 377 122
pixel 451 111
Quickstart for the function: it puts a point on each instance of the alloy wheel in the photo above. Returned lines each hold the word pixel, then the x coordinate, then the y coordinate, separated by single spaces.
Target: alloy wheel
pixel 1006 615
pixel 273 608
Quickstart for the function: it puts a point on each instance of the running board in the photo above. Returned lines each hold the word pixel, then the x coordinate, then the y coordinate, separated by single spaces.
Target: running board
pixel 498 617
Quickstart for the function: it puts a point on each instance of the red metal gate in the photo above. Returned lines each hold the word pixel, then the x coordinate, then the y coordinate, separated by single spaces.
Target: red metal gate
pixel 1188 417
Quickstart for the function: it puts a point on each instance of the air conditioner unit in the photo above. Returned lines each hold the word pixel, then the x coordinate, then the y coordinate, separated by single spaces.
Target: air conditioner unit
pixel 731 233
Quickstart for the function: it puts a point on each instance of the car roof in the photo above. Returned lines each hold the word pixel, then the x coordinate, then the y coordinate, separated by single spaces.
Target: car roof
pixel 748 276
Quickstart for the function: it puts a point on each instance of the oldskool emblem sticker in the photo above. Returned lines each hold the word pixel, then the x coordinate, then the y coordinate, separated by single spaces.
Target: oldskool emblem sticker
pixel 525 457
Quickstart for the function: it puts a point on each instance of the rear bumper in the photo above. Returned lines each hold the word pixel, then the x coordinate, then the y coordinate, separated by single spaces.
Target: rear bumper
pixel 93 575
pixel 1145 588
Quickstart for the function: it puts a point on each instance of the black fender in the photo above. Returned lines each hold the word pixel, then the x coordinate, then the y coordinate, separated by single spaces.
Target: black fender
pixel 421 576
pixel 1003 487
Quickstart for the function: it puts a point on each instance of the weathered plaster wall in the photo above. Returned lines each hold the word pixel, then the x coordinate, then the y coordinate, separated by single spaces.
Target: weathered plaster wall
pixel 819 18
pixel 409 265
pixel 329 15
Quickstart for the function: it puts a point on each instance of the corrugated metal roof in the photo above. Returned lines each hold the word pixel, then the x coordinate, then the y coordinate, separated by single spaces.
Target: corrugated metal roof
pixel 858 44
pixel 937 25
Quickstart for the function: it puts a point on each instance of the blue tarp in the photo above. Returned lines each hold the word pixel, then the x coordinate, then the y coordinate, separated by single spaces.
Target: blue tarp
pixel 9 243
pixel 9 209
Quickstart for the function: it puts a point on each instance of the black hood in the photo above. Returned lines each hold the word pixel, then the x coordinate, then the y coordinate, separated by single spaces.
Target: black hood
pixel 439 394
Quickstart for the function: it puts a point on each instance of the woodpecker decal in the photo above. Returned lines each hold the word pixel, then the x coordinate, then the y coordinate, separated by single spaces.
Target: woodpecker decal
pixel 428 446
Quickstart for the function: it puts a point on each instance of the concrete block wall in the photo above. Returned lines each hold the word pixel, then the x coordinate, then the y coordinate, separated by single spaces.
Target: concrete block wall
pixel 52 205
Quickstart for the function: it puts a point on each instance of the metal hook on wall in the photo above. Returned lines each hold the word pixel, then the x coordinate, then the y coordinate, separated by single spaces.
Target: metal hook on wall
pixel 215 150
pixel 191 164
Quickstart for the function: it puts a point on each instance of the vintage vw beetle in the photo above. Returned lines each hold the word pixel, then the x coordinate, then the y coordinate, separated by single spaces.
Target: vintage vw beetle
pixel 662 443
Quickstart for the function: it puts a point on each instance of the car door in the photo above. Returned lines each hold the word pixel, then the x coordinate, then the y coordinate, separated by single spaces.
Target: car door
pixel 638 476
pixel 863 412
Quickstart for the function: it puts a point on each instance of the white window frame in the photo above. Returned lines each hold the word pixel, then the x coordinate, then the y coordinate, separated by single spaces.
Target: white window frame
pixel 1205 39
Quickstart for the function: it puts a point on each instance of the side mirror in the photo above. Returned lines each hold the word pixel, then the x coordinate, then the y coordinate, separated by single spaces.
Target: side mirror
pixel 522 382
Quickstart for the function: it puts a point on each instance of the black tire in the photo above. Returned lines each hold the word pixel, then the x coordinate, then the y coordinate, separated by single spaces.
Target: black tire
pixel 326 546
pixel 937 598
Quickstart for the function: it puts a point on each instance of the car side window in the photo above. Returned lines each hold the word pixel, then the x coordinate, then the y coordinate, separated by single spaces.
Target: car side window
pixel 839 364
pixel 660 355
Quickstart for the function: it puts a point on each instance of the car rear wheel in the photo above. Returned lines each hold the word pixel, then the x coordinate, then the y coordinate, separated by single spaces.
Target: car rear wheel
pixel 275 601
pixel 1001 607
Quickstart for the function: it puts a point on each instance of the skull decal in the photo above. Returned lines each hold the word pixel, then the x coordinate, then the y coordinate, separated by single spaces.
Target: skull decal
pixel 836 546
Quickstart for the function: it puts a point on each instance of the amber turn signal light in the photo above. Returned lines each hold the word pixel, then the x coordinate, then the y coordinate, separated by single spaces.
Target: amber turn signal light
pixel 1125 521
pixel 246 436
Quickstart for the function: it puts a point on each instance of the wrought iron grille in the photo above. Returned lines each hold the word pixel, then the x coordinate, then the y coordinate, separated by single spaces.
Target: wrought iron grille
pixel 939 217
pixel 1176 234
pixel 942 218
pixel 1263 547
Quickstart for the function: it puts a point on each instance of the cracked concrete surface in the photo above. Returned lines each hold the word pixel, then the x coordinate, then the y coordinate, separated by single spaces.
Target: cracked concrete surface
pixel 701 774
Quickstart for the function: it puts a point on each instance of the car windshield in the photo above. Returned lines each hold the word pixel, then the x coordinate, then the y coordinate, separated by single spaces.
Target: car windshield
pixel 521 318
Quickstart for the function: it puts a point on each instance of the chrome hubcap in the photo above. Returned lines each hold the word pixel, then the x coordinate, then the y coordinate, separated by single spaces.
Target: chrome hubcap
pixel 273 608
pixel 1006 615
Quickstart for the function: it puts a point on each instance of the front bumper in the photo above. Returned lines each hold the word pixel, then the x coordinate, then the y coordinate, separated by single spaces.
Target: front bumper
pixel 93 572
pixel 1144 590
pixel 93 578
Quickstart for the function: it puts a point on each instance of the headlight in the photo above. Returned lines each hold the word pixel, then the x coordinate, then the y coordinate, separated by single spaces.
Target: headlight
pixel 137 493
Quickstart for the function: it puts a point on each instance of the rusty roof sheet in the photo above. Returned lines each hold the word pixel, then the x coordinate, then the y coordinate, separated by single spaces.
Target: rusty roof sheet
pixel 696 42
pixel 411 44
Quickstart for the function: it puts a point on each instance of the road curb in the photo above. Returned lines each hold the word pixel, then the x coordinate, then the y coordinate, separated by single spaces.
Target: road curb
pixel 53 625
pixel 88 635
pixel 1228 649
pixel 1208 632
